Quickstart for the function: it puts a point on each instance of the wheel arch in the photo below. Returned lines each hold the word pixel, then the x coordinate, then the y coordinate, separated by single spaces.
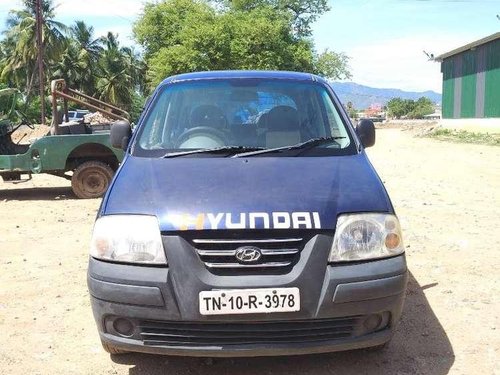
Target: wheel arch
pixel 89 152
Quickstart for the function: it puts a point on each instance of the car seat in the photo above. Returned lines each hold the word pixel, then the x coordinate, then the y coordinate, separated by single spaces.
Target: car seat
pixel 283 127
pixel 208 116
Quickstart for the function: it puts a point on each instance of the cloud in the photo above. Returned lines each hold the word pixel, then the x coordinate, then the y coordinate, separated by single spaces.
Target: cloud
pixel 116 16
pixel 124 33
pixel 401 62
pixel 128 9
pixel 393 60
pixel 80 9
pixel 7 5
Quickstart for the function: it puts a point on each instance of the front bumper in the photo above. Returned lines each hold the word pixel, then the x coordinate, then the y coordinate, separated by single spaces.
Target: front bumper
pixel 343 307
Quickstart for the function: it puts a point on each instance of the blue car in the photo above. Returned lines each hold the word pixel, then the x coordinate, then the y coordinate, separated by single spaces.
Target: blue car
pixel 245 220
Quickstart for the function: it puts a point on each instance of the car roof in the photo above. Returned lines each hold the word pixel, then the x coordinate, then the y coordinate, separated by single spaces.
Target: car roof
pixel 242 74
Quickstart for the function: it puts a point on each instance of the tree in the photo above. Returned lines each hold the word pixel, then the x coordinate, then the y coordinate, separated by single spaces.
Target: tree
pixel 409 108
pixel 89 50
pixel 351 111
pixel 115 82
pixel 96 66
pixel 333 65
pixel 20 40
pixel 83 35
pixel 396 107
pixel 101 67
pixel 187 35
pixel 423 107
pixel 302 13
pixel 72 67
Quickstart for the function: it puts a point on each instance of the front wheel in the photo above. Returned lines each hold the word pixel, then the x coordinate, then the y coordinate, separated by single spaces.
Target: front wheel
pixel 91 179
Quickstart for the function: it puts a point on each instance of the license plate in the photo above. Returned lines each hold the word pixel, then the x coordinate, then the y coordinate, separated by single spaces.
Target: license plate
pixel 249 301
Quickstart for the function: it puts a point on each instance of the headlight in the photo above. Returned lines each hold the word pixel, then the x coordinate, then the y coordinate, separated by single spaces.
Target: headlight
pixel 366 236
pixel 128 238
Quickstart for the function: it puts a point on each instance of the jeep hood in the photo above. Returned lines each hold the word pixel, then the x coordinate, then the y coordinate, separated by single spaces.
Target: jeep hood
pixel 198 192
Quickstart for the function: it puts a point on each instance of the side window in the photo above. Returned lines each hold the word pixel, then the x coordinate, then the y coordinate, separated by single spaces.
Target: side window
pixel 337 129
pixel 334 120
pixel 314 122
pixel 156 123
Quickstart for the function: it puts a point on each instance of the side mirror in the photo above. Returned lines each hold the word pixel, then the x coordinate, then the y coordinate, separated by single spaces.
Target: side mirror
pixel 120 134
pixel 366 132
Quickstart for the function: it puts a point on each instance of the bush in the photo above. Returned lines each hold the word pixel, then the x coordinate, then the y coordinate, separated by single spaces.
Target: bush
pixel 463 136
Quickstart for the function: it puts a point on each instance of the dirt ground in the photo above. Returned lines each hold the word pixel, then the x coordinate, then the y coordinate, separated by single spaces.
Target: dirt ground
pixel 448 199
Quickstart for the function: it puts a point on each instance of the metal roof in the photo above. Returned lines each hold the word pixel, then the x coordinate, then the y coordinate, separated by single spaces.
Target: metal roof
pixel 469 46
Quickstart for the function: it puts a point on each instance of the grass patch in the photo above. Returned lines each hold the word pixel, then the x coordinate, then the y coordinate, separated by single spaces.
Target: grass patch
pixel 464 136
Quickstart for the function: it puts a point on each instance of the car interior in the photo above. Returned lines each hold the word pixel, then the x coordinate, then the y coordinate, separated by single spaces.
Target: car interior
pixel 259 117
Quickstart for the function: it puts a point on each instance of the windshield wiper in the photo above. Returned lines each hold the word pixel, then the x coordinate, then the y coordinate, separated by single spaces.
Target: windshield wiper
pixel 217 150
pixel 299 146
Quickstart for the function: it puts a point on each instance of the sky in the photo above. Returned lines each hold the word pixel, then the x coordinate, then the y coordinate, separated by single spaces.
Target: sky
pixel 384 39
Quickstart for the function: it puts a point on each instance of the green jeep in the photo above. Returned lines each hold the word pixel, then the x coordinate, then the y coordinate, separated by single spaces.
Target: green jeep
pixel 73 150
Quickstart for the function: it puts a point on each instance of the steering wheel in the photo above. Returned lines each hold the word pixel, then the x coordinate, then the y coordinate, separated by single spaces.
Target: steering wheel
pixel 24 120
pixel 217 135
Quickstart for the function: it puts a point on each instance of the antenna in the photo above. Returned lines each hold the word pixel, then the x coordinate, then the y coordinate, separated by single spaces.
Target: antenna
pixel 429 55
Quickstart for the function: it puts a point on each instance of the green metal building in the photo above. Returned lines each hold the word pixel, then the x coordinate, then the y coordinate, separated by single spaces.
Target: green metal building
pixel 471 79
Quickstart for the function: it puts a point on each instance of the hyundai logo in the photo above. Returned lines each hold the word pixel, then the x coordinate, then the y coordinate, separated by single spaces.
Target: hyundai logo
pixel 248 254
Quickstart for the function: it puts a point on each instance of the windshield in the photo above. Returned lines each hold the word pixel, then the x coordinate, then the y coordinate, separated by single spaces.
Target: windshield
pixel 245 113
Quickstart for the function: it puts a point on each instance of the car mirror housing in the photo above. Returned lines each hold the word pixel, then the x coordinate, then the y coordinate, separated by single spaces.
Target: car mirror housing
pixel 366 132
pixel 121 132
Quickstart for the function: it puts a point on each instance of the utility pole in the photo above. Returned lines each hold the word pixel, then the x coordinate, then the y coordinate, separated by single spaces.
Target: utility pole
pixel 39 44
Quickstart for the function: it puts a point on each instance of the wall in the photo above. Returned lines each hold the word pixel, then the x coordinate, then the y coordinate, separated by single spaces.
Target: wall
pixel 471 83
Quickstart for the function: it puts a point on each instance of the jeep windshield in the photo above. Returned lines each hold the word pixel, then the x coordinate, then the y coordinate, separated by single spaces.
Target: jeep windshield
pixel 252 117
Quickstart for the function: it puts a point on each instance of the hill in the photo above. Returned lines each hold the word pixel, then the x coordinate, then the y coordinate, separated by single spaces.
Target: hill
pixel 363 96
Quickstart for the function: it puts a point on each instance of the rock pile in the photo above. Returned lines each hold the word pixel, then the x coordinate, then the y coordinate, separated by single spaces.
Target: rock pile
pixel 96 118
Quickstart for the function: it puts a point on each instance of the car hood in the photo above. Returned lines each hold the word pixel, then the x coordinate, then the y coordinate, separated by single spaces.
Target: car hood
pixel 188 193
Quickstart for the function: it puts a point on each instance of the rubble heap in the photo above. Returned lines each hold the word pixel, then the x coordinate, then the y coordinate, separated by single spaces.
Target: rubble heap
pixel 97 118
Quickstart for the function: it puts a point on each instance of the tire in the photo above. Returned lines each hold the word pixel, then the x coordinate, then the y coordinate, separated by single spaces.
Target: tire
pixel 111 349
pixel 91 179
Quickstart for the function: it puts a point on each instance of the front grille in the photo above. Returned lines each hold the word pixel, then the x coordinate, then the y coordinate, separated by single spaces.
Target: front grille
pixel 277 252
pixel 156 333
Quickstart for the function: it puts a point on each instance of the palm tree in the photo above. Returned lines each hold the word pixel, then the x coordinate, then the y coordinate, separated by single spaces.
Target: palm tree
pixel 137 68
pixel 21 35
pixel 84 37
pixel 97 66
pixel 79 62
pixel 72 67
pixel 12 71
pixel 115 82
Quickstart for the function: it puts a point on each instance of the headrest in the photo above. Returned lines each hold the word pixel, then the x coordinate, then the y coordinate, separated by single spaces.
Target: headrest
pixel 282 118
pixel 208 115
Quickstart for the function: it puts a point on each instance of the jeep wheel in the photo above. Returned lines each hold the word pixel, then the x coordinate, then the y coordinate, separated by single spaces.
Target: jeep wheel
pixel 91 179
